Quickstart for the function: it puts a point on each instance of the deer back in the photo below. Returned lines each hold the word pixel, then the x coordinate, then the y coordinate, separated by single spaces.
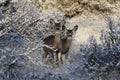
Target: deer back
pixel 49 40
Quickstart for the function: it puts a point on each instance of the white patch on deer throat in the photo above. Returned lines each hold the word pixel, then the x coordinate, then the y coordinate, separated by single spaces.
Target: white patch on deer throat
pixel 70 38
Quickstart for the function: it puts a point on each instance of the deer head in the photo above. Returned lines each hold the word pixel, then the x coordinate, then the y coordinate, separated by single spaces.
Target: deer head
pixel 54 40
pixel 58 28
pixel 71 32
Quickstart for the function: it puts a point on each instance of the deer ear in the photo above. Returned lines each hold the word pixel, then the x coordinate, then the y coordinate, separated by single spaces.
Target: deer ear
pixel 75 28
pixel 62 22
pixel 52 22
pixel 63 27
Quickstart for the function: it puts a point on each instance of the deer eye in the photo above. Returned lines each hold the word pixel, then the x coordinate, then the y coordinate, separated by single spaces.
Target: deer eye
pixel 51 27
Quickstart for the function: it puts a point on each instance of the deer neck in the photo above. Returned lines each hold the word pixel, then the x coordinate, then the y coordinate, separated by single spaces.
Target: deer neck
pixel 66 44
pixel 69 40
pixel 57 36
pixel 57 39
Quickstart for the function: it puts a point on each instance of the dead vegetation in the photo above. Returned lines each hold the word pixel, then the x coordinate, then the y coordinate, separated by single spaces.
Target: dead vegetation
pixel 77 7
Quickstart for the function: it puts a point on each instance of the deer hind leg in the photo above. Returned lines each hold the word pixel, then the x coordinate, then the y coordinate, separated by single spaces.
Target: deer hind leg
pixel 45 57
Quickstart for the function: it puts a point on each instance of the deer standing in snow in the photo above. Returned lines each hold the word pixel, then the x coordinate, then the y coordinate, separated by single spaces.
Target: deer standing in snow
pixel 66 42
pixel 54 40
pixel 61 41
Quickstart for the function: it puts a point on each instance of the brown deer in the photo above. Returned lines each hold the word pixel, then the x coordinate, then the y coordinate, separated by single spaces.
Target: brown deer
pixel 66 42
pixel 54 40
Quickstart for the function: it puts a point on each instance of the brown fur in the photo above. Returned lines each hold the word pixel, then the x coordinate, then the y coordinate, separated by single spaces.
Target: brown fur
pixel 53 40
pixel 66 42
pixel 61 45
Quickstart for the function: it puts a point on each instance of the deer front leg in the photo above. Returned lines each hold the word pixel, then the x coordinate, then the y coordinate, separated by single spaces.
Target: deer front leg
pixel 60 57
pixel 63 58
pixel 54 58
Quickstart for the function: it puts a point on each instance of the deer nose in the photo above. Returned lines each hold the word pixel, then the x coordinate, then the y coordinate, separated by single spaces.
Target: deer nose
pixel 58 28
pixel 70 34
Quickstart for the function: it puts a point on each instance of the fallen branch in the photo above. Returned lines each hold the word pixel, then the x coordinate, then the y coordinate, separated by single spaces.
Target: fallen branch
pixel 37 46
pixel 8 27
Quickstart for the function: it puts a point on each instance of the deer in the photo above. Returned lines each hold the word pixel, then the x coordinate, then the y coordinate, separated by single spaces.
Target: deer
pixel 66 42
pixel 61 44
pixel 54 40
